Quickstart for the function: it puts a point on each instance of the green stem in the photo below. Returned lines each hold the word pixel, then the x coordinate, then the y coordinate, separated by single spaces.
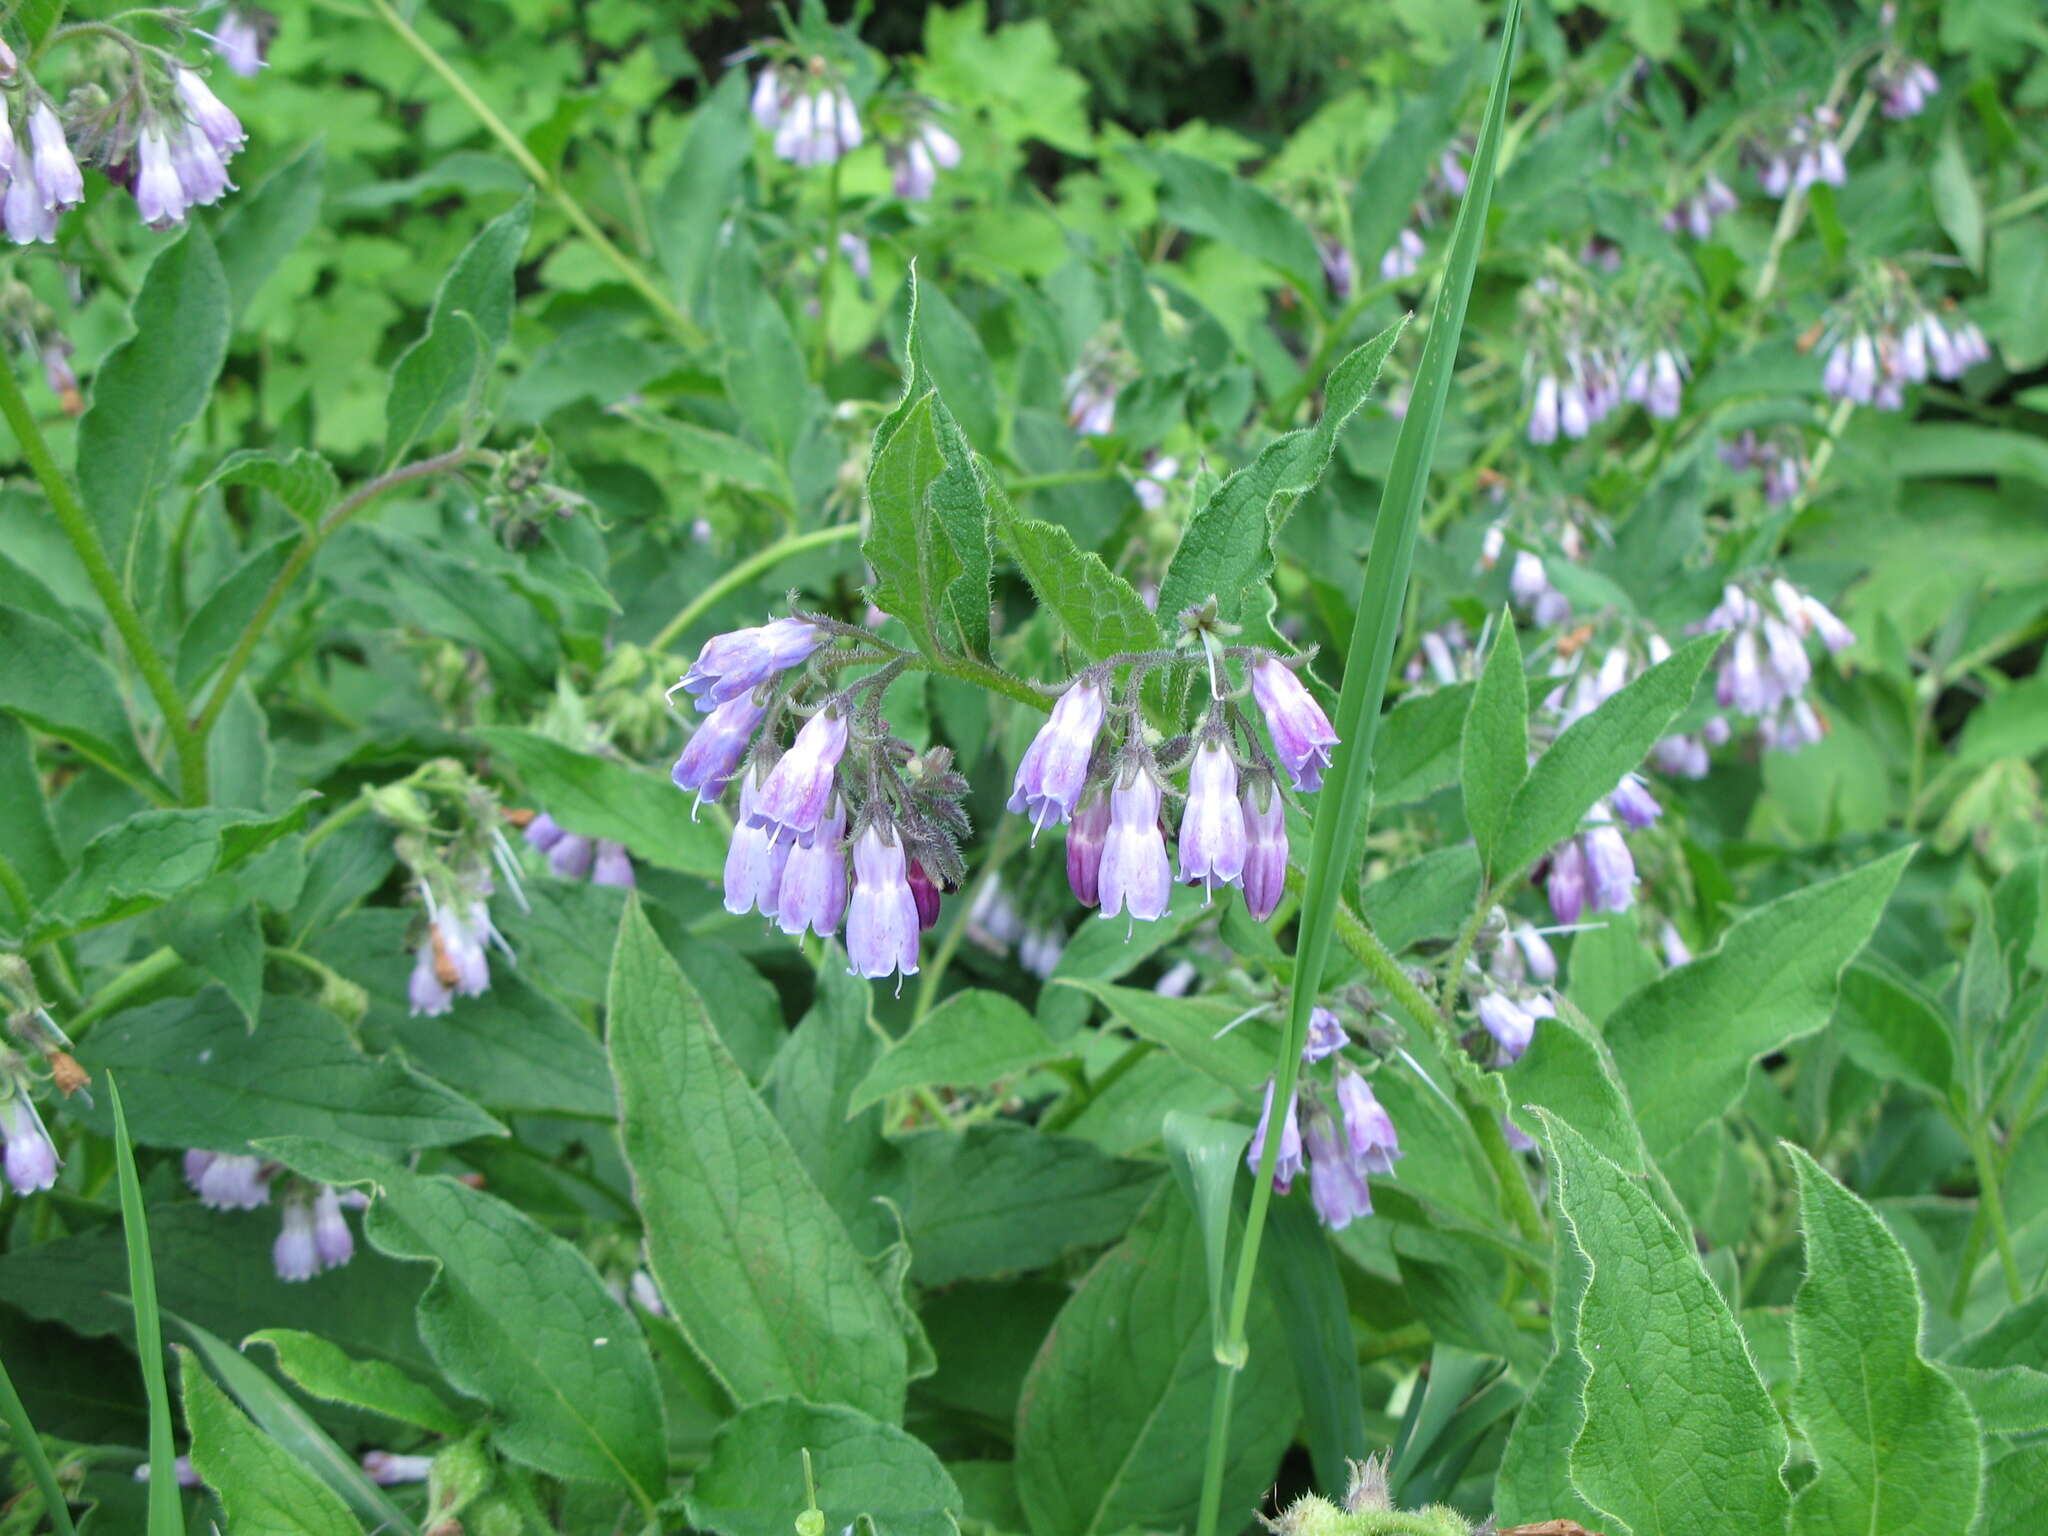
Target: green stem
pixel 2019 207
pixel 296 563
pixel 636 276
pixel 145 972
pixel 84 537
pixel 1993 1205
pixel 1085 1093
pixel 29 1448
pixel 1219 1442
pixel 739 575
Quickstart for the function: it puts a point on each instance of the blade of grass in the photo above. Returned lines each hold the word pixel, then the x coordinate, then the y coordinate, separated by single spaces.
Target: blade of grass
pixel 166 1515
pixel 1346 796
pixel 22 1436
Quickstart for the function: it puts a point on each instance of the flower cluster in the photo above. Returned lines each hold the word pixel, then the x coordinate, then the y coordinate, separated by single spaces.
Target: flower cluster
pixel 181 159
pixel 812 116
pixel 313 1234
pixel 916 159
pixel 1778 458
pixel 1805 155
pixel 843 787
pixel 574 857
pixel 1904 85
pixel 1340 1149
pixel 1893 341
pixel 1697 214
pixel 1764 669
pixel 1590 355
pixel 1403 258
pixel 1509 976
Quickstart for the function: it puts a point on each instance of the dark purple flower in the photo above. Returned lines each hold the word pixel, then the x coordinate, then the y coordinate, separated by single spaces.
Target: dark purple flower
pixel 1086 837
pixel 1301 732
pixel 925 892
pixel 1055 766
pixel 1265 846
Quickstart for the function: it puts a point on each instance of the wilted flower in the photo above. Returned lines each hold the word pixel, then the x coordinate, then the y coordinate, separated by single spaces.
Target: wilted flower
pixel 1135 875
pixel 1301 732
pixel 711 756
pixel 812 893
pixel 739 662
pixel 881 916
pixel 1212 827
pixel 1287 1161
pixel 1055 765
pixel 1265 846
pixel 924 891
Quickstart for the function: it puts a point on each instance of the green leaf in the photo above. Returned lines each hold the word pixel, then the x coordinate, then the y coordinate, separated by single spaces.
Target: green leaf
pixel 28 836
pixel 1114 1416
pixel 600 797
pixel 1418 752
pixel 265 1490
pixel 302 479
pixel 293 1430
pixel 1100 611
pixel 1300 1265
pixel 1205 199
pixel 698 194
pixel 2016 1491
pixel 218 622
pixel 1896 1447
pixel 1494 748
pixel 1684 1043
pixel 1663 1351
pixel 1588 760
pixel 518 1318
pixel 469 324
pixel 318 1367
pixel 1889 1027
pixel 1426 898
pixel 764 368
pixel 754 1265
pixel 869 1475
pixel 150 389
pixel 55 684
pixel 1204 1154
pixel 1226 551
pixel 265 224
pixel 165 1517
pixel 972 1039
pixel 203 1079
pixel 1566 1070
pixel 1956 203
pixel 1191 1028
pixel 726 457
pixel 1404 159
pixel 998 1199
pixel 951 351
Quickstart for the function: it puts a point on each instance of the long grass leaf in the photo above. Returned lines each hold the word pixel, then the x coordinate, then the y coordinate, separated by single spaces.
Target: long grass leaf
pixel 166 1516
pixel 22 1435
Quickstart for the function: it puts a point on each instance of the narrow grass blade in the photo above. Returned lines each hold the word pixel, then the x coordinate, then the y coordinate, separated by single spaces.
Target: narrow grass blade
pixel 166 1516
pixel 21 1436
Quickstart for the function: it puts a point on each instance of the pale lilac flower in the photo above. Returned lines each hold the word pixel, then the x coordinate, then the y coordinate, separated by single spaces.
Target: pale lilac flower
pixel 1287 1159
pixel 239 41
pixel 614 866
pixel 770 97
pixel 739 662
pixel 1676 951
pixel 27 219
pixel 754 860
pixel 1574 413
pixel 1834 634
pixel 1611 870
pixel 1774 175
pixel 333 1243
pixel 466 939
pixel 1091 404
pixel 915 163
pixel 159 196
pixel 1633 802
pixel 1136 875
pixel 10 154
pixel 1786 669
pixel 1403 258
pixel 181 1471
pixel 570 857
pixel 208 113
pixel 1511 1025
pixel 388 1470
pixel 1151 486
pixel 1368 1128
pixel 646 1294
pixel 1450 172
pixel 1326 1036
pixel 543 832
pixel 1039 951
pixel 1087 836
pixel 1906 84
pixel 425 994
pixel 202 175
pixel 1528 582
pixel 1177 980
pixel 1658 384
pixel 1682 757
pixel 1740 685
pixel 31 1160
pixel 9 64
pixel 1265 846
pixel 1943 360
pixel 1543 412
pixel 818 127
pixel 797 789
pixel 293 1254
pixel 1567 882
pixel 1055 765
pixel 1338 270
pixel 1212 831
pixel 1537 954
pixel 813 889
pixel 1301 732
pixel 881 916
pixel 1336 1180
pixel 56 172
pixel 712 756
pixel 859 260
pixel 229 1182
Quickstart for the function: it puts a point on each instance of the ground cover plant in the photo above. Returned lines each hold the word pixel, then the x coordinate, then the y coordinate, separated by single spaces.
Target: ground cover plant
pixel 1044 769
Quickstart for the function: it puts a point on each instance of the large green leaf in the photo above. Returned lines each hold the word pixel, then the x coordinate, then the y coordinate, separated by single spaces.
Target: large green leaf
pixel 869 1475
pixel 265 224
pixel 764 367
pixel 754 1264
pixel 54 683
pixel 972 1039
pixel 1114 1418
pixel 1100 611
pixel 1404 158
pixel 265 1490
pixel 1205 199
pixel 1896 1448
pixel 1493 750
pixel 1684 1043
pixel 28 836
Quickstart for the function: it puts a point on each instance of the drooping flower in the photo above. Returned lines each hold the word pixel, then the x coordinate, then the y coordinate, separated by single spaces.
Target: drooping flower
pixel 1055 765
pixel 333 1243
pixel 924 890
pixel 1336 1179
pixel 56 172
pixel 1326 1036
pixel 793 798
pixel 241 40
pixel 737 663
pixel 27 219
pixel 1537 954
pixel 613 865
pixel 159 196
pixel 1135 876
pixel 1301 732
pixel 1087 836
pixel 1287 1158
pixel 1610 869
pixel 31 1159
pixel 712 756
pixel 1368 1128
pixel 754 860
pixel 818 127
pixel 1212 829
pixel 1543 411
pixel 770 98
pixel 881 914
pixel 294 1254
pixel 1511 1025
pixel 916 161
pixel 209 113
pixel 1403 258
pixel 1633 802
pixel 229 1181
pixel 1676 951
pixel 812 893
pixel 202 174
pixel 1567 882
pixel 1265 846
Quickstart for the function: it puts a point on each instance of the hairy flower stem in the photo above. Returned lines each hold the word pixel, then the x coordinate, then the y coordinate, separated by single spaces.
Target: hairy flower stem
pixel 739 575
pixel 84 538
pixel 636 276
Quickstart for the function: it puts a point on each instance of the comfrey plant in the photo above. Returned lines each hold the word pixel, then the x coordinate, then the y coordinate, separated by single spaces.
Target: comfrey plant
pixel 1884 337
pixel 1765 669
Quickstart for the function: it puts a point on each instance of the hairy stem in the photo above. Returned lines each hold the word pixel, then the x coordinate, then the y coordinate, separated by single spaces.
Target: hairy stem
pixel 739 575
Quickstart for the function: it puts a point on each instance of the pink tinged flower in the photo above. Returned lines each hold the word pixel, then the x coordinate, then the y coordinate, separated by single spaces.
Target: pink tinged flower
pixel 1336 1180
pixel 24 213
pixel 1055 765
pixel 711 757
pixel 1633 802
pixel 881 916
pixel 1287 1157
pixel 1136 875
pixel 737 663
pixel 388 1470
pixel 1326 1036
pixel 332 1241
pixel 813 890
pixel 31 1160
pixel 1610 869
pixel 753 863
pixel 1087 835
pixel 1368 1128
pixel 208 113
pixel 424 991
pixel 793 799
pixel 159 196
pixel 1537 954
pixel 925 892
pixel 1834 634
pixel 1543 411
pixel 235 1183
pixel 1511 1025
pixel 1566 885
pixel 56 173
pixel 294 1254
pixel 239 42
pixel 571 856
pixel 1301 732
pixel 1265 847
pixel 769 98
pixel 1212 833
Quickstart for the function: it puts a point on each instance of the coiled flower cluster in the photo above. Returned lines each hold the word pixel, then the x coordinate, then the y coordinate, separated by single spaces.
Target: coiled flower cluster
pixel 1341 1138
pixel 1764 669
pixel 1590 355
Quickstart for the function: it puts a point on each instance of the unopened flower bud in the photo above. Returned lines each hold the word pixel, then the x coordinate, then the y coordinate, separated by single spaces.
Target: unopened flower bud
pixel 1265 846
pixel 1087 834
